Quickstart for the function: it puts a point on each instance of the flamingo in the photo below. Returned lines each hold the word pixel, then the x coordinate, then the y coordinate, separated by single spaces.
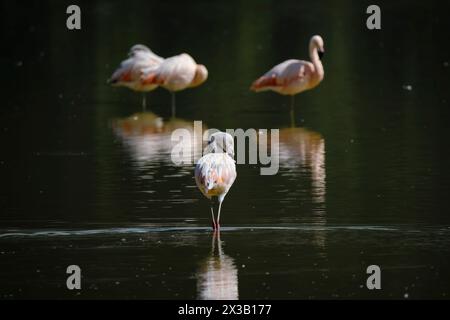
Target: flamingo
pixel 175 74
pixel 215 172
pixel 140 59
pixel 294 76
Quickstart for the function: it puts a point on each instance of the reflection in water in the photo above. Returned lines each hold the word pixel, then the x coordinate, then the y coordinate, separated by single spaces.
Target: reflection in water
pixel 148 139
pixel 217 278
pixel 303 151
pixel 302 160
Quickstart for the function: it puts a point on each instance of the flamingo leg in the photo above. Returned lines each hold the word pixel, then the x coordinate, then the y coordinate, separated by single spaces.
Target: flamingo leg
pixel 292 112
pixel 219 244
pixel 213 242
pixel 218 215
pixel 144 102
pixel 212 215
pixel 173 104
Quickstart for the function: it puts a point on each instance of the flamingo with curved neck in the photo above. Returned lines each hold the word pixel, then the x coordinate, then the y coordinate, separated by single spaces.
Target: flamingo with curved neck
pixel 294 76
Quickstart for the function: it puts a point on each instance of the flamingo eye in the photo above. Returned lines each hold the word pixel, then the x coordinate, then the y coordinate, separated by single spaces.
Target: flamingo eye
pixel 321 54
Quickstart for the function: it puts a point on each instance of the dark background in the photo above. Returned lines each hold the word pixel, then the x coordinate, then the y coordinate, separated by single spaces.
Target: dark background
pixel 386 147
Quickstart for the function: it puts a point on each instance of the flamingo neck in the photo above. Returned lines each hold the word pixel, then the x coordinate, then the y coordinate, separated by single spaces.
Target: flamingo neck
pixel 318 67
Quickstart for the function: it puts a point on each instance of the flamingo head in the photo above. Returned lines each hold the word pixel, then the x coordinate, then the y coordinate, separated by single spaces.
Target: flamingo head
pixel 221 142
pixel 317 43
pixel 201 74
pixel 138 48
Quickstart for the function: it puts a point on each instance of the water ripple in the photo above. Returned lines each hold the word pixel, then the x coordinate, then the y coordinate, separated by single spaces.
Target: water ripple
pixel 25 233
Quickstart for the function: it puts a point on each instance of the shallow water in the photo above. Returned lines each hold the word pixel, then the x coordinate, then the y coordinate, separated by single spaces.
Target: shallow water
pixel 88 179
pixel 293 261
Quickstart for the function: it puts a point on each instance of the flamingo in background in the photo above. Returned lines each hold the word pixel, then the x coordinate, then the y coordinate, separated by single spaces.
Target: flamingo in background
pixel 140 59
pixel 175 74
pixel 294 76
pixel 215 172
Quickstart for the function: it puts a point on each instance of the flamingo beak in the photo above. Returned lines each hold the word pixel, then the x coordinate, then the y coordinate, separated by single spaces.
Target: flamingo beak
pixel 321 54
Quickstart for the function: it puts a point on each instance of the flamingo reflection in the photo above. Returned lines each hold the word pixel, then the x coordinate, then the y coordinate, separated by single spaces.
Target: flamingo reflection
pixel 303 150
pixel 218 275
pixel 148 136
pixel 302 156
pixel 302 161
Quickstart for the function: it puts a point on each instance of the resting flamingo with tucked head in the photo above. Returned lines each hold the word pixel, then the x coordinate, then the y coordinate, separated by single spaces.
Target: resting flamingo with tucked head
pixel 140 59
pixel 175 74
pixel 294 76
pixel 215 172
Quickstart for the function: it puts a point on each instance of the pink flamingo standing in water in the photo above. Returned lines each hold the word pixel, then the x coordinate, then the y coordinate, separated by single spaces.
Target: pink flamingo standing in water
pixel 215 172
pixel 175 74
pixel 140 59
pixel 294 76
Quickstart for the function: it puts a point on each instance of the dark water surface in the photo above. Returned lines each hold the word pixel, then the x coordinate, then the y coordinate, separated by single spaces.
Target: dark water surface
pixel 88 180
